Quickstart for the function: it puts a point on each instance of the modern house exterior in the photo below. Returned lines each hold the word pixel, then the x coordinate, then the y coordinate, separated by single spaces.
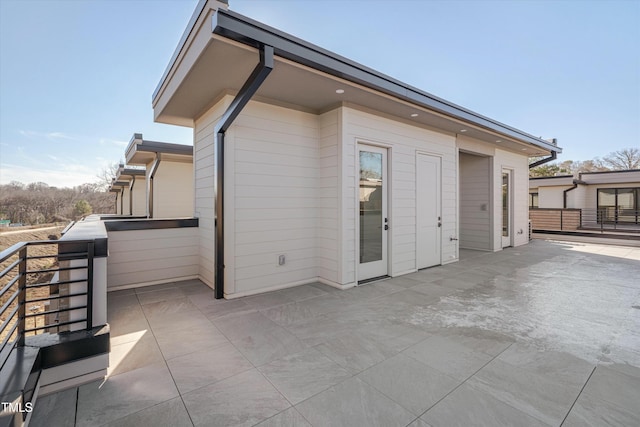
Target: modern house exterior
pixel 134 195
pixel 311 167
pixel 167 177
pixel 600 197
pixel 120 188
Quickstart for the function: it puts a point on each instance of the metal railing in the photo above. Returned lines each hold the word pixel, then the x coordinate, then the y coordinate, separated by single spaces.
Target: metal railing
pixel 610 218
pixel 55 297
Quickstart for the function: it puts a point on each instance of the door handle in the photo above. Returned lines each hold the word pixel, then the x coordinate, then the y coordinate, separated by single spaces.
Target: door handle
pixel 439 224
pixel 386 226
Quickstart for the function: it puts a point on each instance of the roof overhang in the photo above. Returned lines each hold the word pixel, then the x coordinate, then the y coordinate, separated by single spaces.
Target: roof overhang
pixel 127 174
pixel 117 185
pixel 220 49
pixel 631 176
pixel 552 181
pixel 143 152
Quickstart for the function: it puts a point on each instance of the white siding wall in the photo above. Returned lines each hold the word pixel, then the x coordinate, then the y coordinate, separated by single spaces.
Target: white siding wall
pixel 203 160
pixel 576 197
pixel 276 177
pixel 475 203
pixel 328 232
pixel 403 140
pixel 173 190
pixel 520 176
pixel 141 257
pixel 551 197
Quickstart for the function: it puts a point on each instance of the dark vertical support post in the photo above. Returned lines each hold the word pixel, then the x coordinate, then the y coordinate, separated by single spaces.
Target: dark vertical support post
pixel 133 182
pixel 152 175
pixel 22 296
pixel 90 254
pixel 561 227
pixel 250 87
pixel 219 211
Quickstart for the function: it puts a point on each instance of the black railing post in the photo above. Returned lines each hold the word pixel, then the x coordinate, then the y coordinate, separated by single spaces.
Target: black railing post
pixel 22 296
pixel 561 225
pixel 90 250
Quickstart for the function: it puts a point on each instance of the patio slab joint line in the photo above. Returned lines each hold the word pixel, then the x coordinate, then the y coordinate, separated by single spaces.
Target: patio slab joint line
pixel 465 380
pixel 578 396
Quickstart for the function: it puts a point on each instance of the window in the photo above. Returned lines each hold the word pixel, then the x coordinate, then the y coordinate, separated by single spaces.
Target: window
pixel 619 205
pixel 533 200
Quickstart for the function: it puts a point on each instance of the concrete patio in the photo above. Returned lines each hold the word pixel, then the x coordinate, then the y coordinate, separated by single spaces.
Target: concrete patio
pixel 545 334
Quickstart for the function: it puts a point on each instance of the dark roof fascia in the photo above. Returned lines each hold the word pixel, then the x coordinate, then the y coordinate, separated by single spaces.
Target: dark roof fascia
pixel 120 184
pixel 253 33
pixel 164 148
pixel 131 172
pixel 551 177
pixel 138 144
pixel 603 172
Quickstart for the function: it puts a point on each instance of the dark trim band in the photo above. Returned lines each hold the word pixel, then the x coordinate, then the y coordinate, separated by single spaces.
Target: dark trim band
pixel 149 224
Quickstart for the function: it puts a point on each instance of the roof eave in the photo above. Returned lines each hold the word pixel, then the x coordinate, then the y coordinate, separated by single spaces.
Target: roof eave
pixel 247 31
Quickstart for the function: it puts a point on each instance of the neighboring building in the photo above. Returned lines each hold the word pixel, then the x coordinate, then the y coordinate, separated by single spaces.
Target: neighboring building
pixel 602 197
pixel 168 177
pixel 311 167
pixel 550 192
pixel 135 193
pixel 120 188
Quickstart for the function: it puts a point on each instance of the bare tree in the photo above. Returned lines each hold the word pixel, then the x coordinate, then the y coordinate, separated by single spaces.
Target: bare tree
pixel 625 159
pixel 107 174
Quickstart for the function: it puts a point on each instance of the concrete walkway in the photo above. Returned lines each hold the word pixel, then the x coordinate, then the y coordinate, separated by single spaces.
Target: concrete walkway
pixel 545 334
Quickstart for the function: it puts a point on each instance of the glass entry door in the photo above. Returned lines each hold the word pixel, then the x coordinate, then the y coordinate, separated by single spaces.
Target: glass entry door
pixel 373 219
pixel 507 210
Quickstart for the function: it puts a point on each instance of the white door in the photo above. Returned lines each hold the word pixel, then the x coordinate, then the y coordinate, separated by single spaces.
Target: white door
pixel 507 208
pixel 373 222
pixel 428 211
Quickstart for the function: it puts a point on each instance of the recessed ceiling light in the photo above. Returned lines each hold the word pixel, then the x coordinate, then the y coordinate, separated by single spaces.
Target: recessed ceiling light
pixel 414 115
pixel 339 90
pixel 463 130
pixel 498 140
pixel 524 149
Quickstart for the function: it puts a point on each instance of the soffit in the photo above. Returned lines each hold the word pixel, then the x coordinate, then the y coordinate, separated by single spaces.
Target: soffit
pixel 224 65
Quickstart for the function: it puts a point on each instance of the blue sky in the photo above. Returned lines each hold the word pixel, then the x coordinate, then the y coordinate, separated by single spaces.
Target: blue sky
pixel 76 76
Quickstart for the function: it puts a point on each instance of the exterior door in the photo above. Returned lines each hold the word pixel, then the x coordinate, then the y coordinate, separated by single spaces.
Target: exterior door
pixel 373 222
pixel 507 208
pixel 428 211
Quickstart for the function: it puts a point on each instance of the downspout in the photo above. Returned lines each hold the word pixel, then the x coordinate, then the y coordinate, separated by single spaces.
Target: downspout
pixel 575 185
pixel 553 156
pixel 133 182
pixel 564 193
pixel 152 174
pixel 250 87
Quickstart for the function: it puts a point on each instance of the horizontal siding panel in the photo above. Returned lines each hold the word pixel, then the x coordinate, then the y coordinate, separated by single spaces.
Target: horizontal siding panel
pixel 266 236
pixel 280 247
pixel 133 278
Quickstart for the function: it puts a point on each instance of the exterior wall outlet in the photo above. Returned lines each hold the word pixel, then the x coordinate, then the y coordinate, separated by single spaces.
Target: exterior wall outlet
pixel 281 259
